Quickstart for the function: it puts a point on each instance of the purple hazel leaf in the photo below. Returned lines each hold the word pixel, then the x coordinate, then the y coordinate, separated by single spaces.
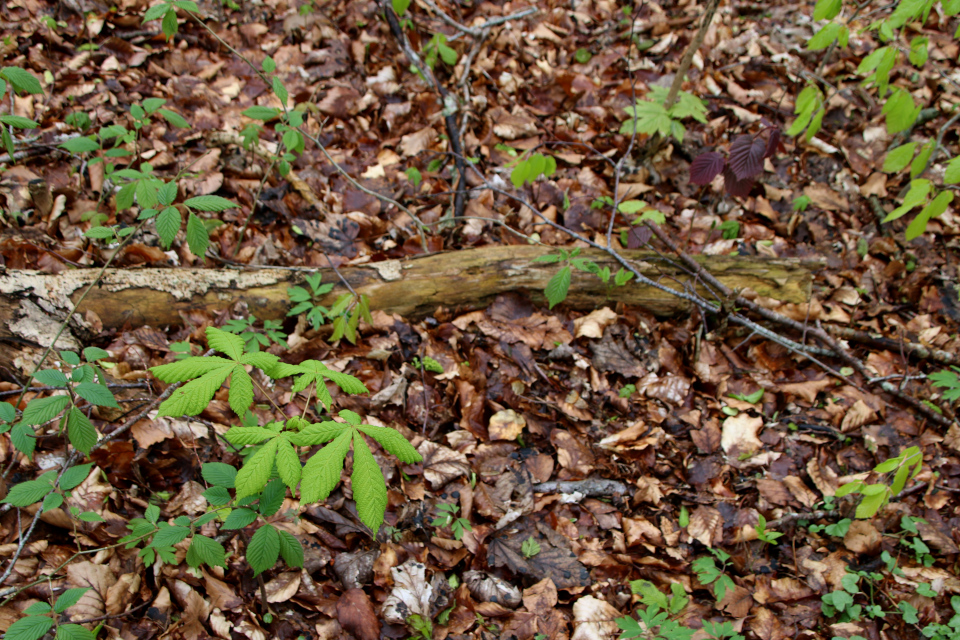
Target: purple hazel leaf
pixel 746 156
pixel 772 143
pixel 736 187
pixel 638 236
pixel 705 167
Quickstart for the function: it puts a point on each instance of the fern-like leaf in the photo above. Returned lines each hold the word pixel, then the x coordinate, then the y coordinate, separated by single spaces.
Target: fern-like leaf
pixel 255 473
pixel 193 397
pixel 225 342
pixel 288 463
pixel 394 442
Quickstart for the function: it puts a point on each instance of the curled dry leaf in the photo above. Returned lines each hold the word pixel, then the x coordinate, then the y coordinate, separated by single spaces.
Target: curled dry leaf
pixel 593 324
pixel 487 588
pixel 739 434
pixel 283 587
pixel 506 425
pixel 706 526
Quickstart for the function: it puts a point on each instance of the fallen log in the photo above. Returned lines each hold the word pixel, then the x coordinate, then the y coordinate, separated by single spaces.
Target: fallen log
pixel 33 304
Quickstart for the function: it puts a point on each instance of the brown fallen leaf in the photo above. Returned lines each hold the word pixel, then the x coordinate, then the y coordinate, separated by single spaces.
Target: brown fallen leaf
pixel 356 615
pixel 594 619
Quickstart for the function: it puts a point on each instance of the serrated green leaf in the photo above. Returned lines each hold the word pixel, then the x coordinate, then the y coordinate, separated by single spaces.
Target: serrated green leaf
pixel 204 550
pixel 198 238
pixel 288 464
pixel 174 118
pixel 225 342
pixel 369 487
pixel 272 497
pixel 239 518
pixel 81 431
pixel 264 549
pixel 248 435
pixel 209 203
pixel 256 471
pixel 219 474
pixel 74 476
pixel 193 397
pixel 169 536
pixel 51 378
pixel 952 174
pixel 322 472
pixel 155 12
pixel 96 394
pixel 19 122
pixel 394 442
pixel 21 80
pixel 190 368
pixel 317 433
pixel 241 391
pixel 69 598
pixel 27 493
pixel 37 608
pixel 80 144
pixel 29 628
pixel 168 225
pixel 217 496
pixel 23 439
pixel 41 410
pixel 558 286
pixel 291 549
pixel 261 113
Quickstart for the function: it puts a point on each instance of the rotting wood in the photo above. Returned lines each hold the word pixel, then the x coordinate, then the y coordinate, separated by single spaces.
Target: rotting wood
pixel 34 303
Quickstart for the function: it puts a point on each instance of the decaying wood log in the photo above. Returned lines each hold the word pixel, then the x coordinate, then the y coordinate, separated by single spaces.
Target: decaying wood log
pixel 32 304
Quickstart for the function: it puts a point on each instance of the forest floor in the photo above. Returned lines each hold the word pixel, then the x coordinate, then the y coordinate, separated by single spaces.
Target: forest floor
pixel 699 428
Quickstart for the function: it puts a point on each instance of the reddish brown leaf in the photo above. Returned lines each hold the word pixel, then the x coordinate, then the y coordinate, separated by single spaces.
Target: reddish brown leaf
pixel 746 156
pixel 706 167
pixel 355 614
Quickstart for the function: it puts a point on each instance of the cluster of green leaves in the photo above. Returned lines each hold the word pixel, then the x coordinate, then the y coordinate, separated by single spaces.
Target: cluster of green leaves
pixel 308 300
pixel 655 621
pixel 437 47
pixel 37 620
pixel 559 284
pixel 768 537
pixel 427 364
pixel 20 81
pixel 529 167
pixel 709 573
pixel 346 312
pixel 288 122
pixel 167 13
pixel 936 630
pixel 904 467
pixel 254 339
pixel 447 517
pixel 52 492
pixel 840 602
pixel 948 380
pixel 530 547
pixel 84 385
pixel 271 456
pixel 910 538
pixel 899 108
pixel 650 116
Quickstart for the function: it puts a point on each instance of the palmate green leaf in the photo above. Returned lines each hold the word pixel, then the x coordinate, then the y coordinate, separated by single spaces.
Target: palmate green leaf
pixel 189 368
pixel 193 397
pixel 81 431
pixel 204 550
pixel 264 549
pixel 254 475
pixel 41 410
pixel 288 463
pixel 225 342
pixel 322 472
pixel 369 487
pixel 558 286
pixel 648 117
pixel 291 549
pixel 29 628
pixel 394 442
